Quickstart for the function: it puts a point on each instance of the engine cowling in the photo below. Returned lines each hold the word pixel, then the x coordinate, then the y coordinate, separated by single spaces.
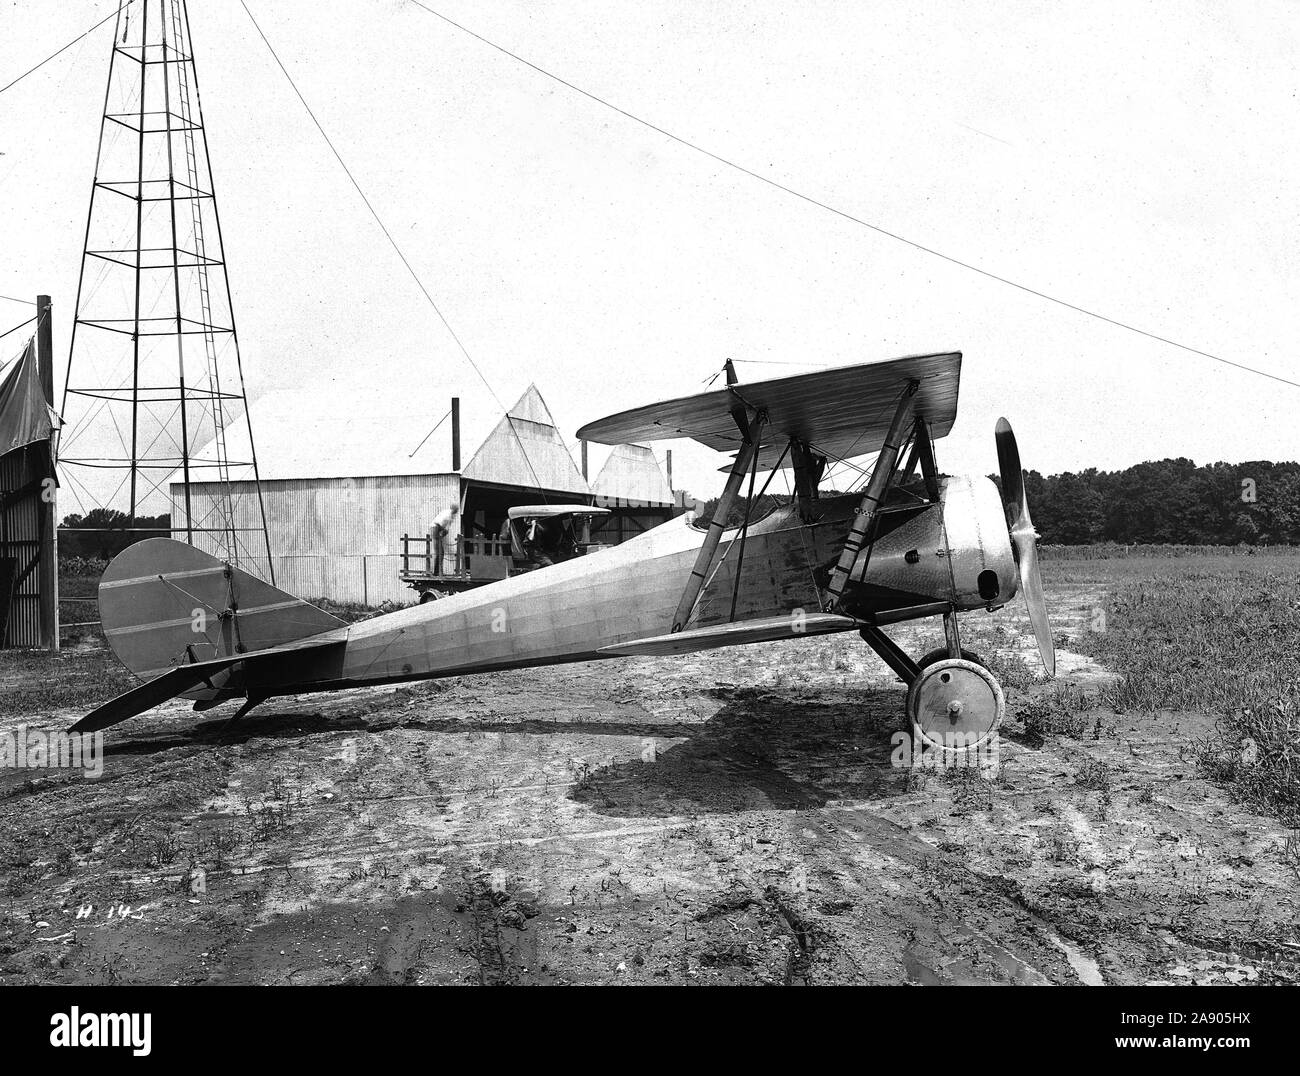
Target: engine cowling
pixel 957 551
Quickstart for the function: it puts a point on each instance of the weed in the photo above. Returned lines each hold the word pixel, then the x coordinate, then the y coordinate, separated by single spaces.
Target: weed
pixel 1041 718
pixel 1011 670
pixel 1062 844
pixel 1291 853
pixel 970 792
pixel 1094 774
pixel 1071 699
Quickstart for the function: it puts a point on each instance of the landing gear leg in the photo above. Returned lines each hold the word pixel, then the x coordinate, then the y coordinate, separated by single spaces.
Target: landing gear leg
pixel 890 653
pixel 953 634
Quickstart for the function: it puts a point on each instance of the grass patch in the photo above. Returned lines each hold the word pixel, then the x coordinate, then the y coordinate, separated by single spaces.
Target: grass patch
pixel 35 682
pixel 1159 551
pixel 352 612
pixel 1256 754
pixel 1224 640
pixel 1011 670
pixel 1060 711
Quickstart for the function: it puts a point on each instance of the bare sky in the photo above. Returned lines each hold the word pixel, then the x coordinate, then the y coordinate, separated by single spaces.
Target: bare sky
pixel 1138 159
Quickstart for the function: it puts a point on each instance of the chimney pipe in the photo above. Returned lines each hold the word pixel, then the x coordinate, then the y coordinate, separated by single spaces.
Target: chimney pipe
pixel 455 433
pixel 585 477
pixel 670 469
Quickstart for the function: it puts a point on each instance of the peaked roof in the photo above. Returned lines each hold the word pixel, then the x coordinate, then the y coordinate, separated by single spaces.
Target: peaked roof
pixel 532 408
pixel 631 475
pixel 526 449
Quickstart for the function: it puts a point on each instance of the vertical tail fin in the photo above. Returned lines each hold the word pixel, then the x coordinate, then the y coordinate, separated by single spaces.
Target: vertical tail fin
pixel 163 603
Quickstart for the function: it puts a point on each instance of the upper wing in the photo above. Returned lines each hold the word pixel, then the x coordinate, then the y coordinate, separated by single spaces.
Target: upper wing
pixel 841 413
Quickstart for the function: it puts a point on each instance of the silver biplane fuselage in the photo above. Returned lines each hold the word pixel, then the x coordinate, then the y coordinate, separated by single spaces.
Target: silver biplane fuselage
pixel 910 545
pixel 935 559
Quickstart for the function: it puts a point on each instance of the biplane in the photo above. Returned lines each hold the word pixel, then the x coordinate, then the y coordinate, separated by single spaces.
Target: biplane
pixel 912 543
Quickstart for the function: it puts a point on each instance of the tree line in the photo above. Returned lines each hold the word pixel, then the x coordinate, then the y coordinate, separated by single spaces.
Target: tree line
pixel 102 533
pixel 1169 501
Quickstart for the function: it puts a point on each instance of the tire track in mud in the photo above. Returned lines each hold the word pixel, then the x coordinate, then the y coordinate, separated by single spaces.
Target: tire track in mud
pixel 798 965
pixel 936 920
pixel 366 849
pixel 493 969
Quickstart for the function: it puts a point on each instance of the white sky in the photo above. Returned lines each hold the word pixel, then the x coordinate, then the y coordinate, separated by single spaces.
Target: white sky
pixel 1135 158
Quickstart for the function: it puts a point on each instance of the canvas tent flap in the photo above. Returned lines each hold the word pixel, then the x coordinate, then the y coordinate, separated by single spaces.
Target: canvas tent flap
pixel 25 418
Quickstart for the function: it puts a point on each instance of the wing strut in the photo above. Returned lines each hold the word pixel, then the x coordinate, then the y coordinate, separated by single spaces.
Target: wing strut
pixel 872 498
pixel 744 530
pixel 808 470
pixel 750 432
pixel 925 450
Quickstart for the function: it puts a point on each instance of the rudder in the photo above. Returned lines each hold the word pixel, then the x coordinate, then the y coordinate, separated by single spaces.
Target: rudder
pixel 163 603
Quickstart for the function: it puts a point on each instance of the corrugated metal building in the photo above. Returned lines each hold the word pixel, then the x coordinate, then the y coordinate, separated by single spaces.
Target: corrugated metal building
pixel 336 527
pixel 28 577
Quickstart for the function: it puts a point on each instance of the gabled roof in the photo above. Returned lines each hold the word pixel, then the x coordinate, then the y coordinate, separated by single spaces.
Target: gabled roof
pixel 532 408
pixel 526 449
pixel 631 475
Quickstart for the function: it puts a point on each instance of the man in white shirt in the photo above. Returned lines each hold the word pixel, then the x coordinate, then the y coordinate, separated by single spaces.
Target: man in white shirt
pixel 441 527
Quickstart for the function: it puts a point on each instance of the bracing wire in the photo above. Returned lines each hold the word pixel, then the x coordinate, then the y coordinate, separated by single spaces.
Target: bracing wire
pixel 19 326
pixel 397 249
pixel 32 70
pixel 878 229
pixel 429 434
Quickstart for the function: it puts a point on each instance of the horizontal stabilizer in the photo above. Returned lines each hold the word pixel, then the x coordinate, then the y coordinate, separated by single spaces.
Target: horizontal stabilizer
pixel 185 677
pixel 148 695
pixel 766 630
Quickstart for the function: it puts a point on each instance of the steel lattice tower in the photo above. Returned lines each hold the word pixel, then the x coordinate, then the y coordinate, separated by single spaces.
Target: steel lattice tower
pixel 154 394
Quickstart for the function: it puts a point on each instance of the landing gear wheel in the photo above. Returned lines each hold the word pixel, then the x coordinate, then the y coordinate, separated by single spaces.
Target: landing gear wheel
pixel 954 704
pixel 430 596
pixel 942 653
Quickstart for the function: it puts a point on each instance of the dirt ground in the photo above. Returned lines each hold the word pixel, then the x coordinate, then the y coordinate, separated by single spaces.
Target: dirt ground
pixel 729 817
